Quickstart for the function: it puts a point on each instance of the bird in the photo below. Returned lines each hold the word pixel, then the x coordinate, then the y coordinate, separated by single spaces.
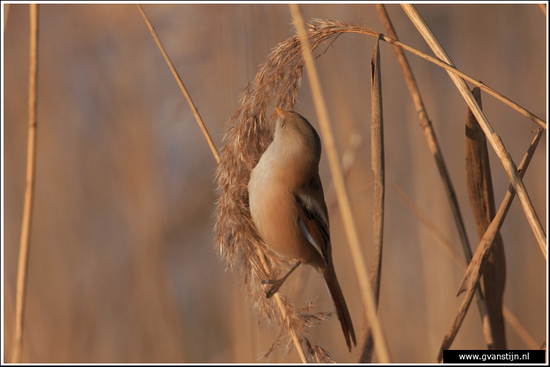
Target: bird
pixel 288 208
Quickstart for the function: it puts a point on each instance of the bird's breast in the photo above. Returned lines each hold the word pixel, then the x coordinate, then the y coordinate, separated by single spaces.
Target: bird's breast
pixel 274 213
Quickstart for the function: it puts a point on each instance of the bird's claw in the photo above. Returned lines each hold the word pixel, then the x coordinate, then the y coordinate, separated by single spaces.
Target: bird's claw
pixel 276 284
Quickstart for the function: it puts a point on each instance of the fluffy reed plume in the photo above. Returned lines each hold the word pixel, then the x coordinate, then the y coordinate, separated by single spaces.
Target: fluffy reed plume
pixel 248 135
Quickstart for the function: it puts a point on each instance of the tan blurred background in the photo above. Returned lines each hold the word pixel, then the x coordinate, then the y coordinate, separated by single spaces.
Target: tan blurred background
pixel 122 262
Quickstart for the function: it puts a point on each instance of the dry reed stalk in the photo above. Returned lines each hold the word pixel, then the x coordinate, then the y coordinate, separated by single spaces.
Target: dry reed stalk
pixel 446 246
pixel 22 267
pixel 433 145
pixel 482 201
pixel 342 194
pixel 181 85
pixel 475 269
pixel 492 137
pixel 377 164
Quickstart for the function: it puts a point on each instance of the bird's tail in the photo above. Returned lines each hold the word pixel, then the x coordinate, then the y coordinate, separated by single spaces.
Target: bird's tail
pixel 333 287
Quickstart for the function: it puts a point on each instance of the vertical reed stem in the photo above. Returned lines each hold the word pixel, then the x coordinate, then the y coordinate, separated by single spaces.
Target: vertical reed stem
pixel 22 267
pixel 341 190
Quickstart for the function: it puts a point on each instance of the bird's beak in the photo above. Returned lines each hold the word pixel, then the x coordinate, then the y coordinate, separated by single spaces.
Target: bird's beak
pixel 279 111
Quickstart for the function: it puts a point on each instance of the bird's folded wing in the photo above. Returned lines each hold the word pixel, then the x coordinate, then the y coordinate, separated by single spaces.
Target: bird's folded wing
pixel 313 222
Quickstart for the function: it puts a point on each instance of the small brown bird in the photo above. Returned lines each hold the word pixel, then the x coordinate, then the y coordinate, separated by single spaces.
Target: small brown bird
pixel 288 206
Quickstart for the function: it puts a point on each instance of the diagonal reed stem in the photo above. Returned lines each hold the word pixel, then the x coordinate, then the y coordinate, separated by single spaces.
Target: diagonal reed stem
pixel 182 86
pixel 340 187
pixel 493 138
pixel 22 268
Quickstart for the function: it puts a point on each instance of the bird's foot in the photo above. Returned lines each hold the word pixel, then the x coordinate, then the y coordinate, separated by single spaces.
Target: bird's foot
pixel 275 285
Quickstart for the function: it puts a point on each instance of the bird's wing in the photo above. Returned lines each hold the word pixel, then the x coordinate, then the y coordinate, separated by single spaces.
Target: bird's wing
pixel 313 221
